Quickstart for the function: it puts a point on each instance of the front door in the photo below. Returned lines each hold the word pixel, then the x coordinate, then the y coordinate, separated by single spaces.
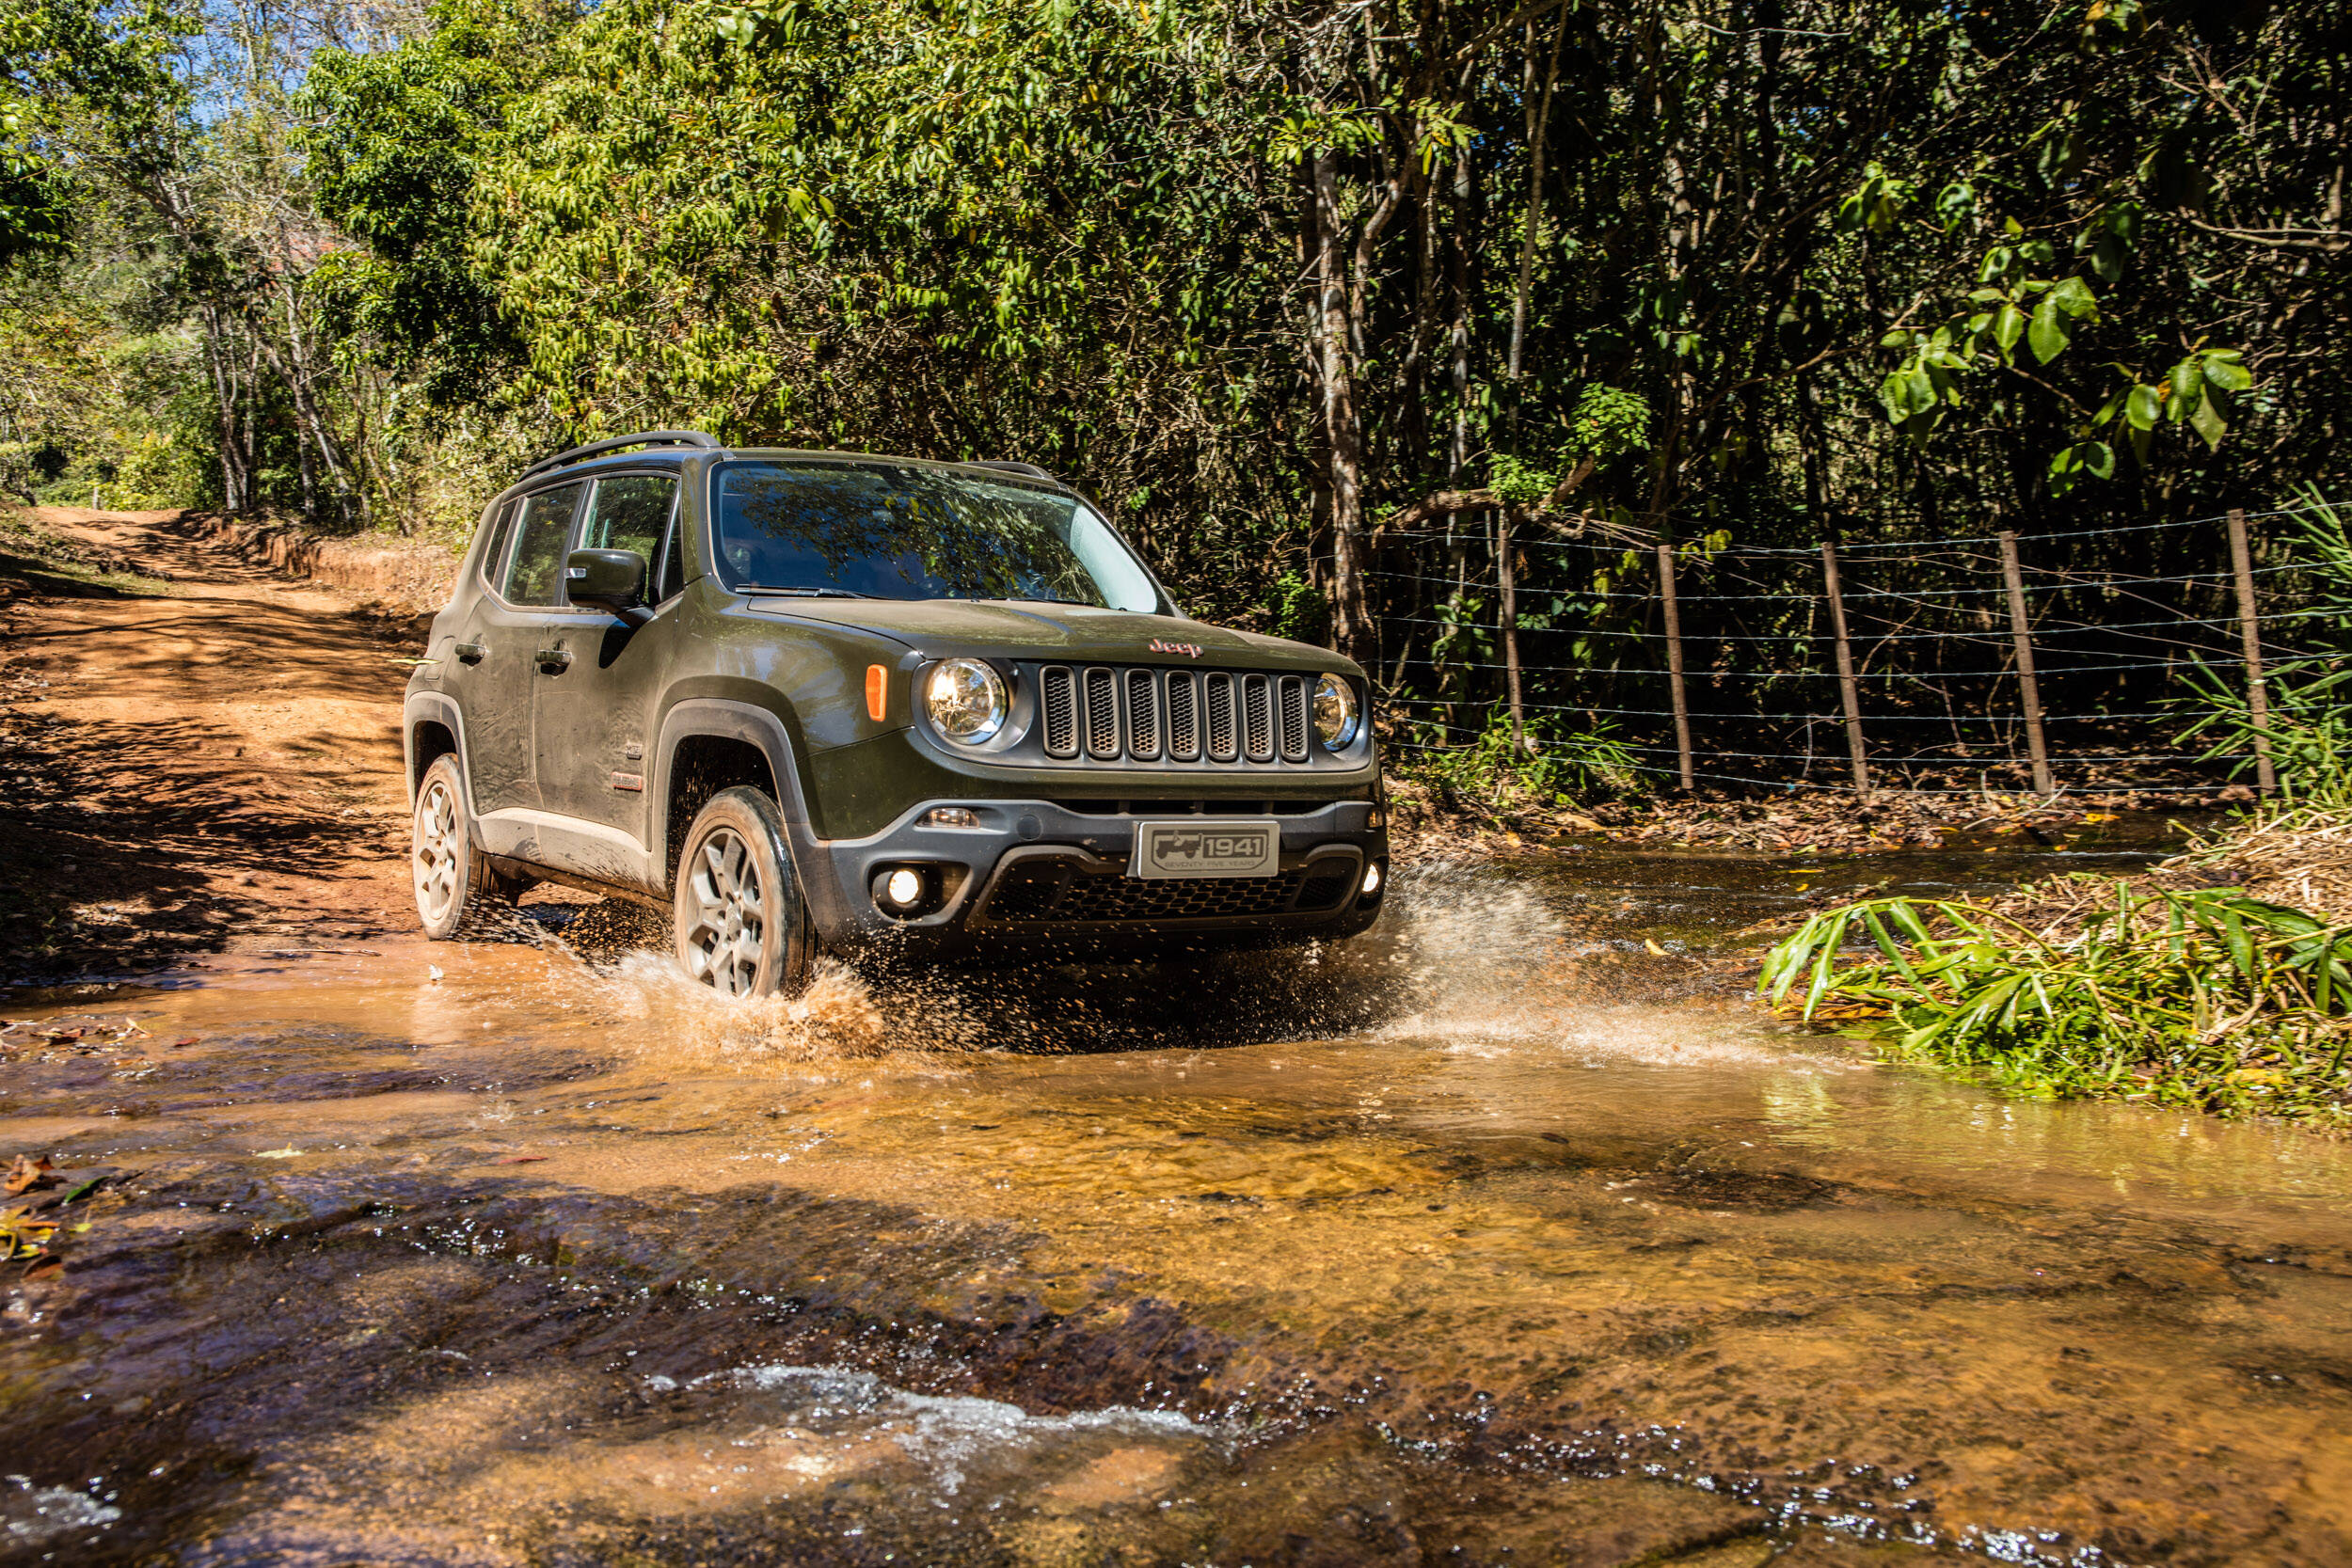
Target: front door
pixel 594 701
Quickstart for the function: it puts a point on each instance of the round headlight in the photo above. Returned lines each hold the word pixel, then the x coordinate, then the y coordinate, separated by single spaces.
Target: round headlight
pixel 1335 712
pixel 965 698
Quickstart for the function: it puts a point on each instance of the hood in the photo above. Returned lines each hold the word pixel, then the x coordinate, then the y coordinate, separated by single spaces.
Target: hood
pixel 1079 633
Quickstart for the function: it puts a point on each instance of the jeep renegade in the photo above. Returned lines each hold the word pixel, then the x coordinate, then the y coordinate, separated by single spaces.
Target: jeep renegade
pixel 812 701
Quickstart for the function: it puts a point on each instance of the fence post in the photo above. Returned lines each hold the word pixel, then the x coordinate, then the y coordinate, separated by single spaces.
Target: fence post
pixel 1845 683
pixel 2030 689
pixel 1674 659
pixel 1507 580
pixel 2250 631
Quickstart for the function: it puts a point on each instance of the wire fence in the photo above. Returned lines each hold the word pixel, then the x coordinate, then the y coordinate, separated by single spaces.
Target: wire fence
pixel 2003 660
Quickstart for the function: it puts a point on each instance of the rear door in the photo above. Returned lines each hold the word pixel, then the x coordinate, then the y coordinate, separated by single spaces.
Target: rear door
pixel 594 703
pixel 512 623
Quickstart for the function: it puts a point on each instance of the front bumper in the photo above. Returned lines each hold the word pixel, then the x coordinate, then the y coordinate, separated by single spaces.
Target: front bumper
pixel 1036 874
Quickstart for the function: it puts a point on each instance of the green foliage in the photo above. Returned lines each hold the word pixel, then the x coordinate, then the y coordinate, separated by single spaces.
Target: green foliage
pixel 1299 608
pixel 2205 1000
pixel 36 212
pixel 1556 763
pixel 1607 423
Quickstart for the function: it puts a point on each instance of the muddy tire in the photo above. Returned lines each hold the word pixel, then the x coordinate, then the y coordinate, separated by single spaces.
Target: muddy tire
pixel 457 892
pixel 739 923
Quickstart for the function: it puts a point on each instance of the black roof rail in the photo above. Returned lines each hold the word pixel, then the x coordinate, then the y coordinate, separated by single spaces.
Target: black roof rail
pixel 1029 468
pixel 643 439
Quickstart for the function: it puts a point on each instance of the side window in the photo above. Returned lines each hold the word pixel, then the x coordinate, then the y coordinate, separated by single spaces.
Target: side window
pixel 630 512
pixel 669 577
pixel 501 529
pixel 535 576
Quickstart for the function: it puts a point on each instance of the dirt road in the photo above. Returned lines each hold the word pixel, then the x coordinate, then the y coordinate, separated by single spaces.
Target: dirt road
pixel 195 752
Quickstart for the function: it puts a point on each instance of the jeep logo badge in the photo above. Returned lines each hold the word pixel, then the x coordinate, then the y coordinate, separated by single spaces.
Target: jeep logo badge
pixel 1190 650
pixel 1207 849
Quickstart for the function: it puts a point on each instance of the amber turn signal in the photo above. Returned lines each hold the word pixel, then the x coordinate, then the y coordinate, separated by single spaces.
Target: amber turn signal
pixel 877 692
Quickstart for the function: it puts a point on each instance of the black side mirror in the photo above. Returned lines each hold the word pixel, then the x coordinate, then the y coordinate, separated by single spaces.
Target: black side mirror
pixel 613 580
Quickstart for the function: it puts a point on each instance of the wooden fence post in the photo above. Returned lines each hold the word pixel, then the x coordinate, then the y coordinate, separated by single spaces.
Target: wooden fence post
pixel 1506 580
pixel 1674 660
pixel 2028 689
pixel 1845 683
pixel 2250 632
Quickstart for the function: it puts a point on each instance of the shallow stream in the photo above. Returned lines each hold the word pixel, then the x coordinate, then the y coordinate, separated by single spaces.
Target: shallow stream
pixel 1510 1233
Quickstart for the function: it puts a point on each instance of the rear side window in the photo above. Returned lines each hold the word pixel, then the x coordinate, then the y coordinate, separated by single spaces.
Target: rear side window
pixel 535 576
pixel 494 549
pixel 631 511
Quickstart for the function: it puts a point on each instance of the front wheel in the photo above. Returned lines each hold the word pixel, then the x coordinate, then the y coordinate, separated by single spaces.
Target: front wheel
pixel 741 926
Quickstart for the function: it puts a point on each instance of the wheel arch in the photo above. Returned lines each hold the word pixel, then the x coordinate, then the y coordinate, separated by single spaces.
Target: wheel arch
pixel 432 727
pixel 675 793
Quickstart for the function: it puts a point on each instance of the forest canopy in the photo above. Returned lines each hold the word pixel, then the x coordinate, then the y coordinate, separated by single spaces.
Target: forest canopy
pixel 1281 283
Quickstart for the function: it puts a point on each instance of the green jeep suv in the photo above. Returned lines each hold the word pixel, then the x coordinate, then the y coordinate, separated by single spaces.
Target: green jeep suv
pixel 813 702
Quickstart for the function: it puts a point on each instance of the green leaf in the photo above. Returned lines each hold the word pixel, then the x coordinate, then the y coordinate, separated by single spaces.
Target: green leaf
pixel 2046 333
pixel 2008 324
pixel 2207 420
pixel 2143 407
pixel 1996 261
pixel 2227 375
pixel 2073 297
pixel 2106 258
pixel 1900 338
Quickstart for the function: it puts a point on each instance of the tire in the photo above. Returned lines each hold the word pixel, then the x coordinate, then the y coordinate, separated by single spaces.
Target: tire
pixel 453 883
pixel 737 919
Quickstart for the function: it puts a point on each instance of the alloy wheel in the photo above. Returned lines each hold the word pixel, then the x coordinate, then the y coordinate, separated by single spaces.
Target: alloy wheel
pixel 439 843
pixel 724 941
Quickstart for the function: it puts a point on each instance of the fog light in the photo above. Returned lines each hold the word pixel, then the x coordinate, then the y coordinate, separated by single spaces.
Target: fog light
pixel 904 888
pixel 1371 878
pixel 951 817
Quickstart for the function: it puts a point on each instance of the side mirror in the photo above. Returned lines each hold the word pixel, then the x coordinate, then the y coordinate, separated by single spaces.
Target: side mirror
pixel 611 580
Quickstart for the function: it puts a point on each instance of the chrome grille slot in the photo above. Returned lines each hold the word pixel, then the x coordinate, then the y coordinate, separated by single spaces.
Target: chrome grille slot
pixel 1143 715
pixel 1184 716
pixel 1223 735
pixel 1293 689
pixel 1102 714
pixel 1257 707
pixel 1058 698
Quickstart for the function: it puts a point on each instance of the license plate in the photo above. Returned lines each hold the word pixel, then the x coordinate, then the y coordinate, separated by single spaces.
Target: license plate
pixel 1199 848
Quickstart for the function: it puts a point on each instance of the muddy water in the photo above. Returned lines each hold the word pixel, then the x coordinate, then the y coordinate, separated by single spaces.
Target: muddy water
pixel 1495 1237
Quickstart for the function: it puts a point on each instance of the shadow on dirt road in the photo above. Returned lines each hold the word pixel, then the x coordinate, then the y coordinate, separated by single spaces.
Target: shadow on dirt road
pixel 192 751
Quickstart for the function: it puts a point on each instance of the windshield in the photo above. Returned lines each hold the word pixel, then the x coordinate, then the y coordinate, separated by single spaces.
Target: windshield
pixel 880 531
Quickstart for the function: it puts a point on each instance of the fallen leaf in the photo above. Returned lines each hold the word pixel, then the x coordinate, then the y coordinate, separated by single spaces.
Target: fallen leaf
pixel 185 1041
pixel 1654 948
pixel 288 1152
pixel 26 1176
pixel 48 1268
pixel 433 973
pixel 519 1160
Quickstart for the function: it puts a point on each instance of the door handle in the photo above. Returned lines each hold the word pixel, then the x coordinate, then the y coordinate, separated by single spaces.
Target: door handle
pixel 470 653
pixel 554 661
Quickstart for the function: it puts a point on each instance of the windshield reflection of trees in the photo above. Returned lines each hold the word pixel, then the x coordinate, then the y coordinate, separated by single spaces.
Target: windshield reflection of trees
pixel 900 533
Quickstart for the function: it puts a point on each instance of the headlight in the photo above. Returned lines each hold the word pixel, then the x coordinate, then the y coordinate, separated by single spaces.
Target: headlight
pixel 965 698
pixel 1335 712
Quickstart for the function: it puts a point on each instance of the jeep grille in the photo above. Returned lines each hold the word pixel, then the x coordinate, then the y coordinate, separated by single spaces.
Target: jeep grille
pixel 1184 715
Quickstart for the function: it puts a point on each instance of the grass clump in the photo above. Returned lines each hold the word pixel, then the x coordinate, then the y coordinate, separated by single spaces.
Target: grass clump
pixel 2202 999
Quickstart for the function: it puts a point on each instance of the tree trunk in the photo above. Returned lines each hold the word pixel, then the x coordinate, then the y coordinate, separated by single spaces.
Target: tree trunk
pixel 1351 618
pixel 235 479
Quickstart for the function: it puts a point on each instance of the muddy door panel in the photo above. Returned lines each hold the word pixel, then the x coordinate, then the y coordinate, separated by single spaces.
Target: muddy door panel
pixel 592 704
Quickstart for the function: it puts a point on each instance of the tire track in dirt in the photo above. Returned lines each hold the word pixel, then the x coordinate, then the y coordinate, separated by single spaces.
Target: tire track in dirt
pixel 194 753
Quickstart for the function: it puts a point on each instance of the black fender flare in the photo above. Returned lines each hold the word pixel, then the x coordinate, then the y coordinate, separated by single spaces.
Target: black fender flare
pixel 441 710
pixel 763 730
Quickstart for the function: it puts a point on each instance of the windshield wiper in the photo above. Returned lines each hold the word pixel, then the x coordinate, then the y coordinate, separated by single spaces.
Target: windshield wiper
pixel 804 592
